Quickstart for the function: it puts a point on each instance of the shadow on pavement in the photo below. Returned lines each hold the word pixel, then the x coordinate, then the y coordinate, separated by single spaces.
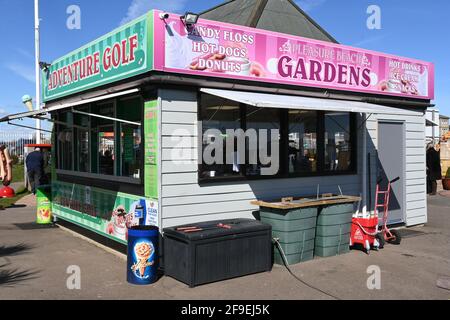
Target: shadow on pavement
pixel 14 250
pixel 94 236
pixel 11 277
pixel 17 206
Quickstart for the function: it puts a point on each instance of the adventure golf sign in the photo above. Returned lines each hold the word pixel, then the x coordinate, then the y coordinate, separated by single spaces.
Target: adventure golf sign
pixel 121 54
pixel 220 50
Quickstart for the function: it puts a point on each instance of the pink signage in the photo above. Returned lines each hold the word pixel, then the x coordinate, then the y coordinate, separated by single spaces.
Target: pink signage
pixel 222 50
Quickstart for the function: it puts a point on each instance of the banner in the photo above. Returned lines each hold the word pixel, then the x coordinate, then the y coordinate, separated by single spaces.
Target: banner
pixel 222 50
pixel 105 212
pixel 123 53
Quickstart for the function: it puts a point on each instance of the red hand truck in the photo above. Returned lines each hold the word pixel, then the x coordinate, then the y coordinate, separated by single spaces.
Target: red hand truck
pixel 365 231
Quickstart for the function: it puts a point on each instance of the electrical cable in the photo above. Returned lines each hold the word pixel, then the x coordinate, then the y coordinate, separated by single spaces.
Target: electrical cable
pixel 286 264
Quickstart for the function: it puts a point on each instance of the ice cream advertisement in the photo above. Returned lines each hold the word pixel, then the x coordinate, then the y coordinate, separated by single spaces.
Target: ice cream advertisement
pixel 227 51
pixel 143 252
pixel 109 213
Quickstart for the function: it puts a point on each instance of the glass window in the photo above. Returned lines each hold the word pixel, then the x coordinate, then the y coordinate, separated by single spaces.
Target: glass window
pixel 219 114
pixel 82 161
pixel 130 109
pixel 263 121
pixel 302 147
pixel 90 144
pixel 105 137
pixel 65 141
pixel 338 146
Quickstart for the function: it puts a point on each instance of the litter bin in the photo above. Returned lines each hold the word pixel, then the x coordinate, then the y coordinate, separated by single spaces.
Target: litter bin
pixel 142 255
pixel 44 205
pixel 296 229
pixel 334 226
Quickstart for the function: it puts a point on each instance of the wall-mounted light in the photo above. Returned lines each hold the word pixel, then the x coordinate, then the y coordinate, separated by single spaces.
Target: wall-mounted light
pixel 190 19
pixel 164 15
pixel 44 66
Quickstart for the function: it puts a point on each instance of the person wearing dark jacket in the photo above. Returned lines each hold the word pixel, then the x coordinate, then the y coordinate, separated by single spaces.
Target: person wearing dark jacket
pixel 434 171
pixel 35 168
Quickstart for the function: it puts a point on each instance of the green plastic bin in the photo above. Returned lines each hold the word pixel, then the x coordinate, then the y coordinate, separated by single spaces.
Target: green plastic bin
pixel 44 204
pixel 334 225
pixel 296 229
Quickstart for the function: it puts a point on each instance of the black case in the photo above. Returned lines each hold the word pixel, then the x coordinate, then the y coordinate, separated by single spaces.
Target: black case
pixel 217 254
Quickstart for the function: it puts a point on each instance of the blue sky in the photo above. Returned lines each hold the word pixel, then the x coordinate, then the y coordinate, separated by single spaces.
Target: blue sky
pixel 411 28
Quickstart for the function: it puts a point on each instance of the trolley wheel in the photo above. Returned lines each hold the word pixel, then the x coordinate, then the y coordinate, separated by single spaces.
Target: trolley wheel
pixel 397 238
pixel 381 240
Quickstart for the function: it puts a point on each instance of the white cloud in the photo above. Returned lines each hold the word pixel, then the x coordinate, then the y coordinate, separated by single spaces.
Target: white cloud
pixel 25 71
pixel 2 111
pixel 369 40
pixel 25 53
pixel 138 8
pixel 309 5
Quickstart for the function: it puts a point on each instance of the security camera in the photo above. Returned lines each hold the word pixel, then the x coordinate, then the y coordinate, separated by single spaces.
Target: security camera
pixel 164 15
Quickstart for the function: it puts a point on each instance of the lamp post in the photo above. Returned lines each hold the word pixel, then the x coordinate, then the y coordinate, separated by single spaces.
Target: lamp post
pixel 37 68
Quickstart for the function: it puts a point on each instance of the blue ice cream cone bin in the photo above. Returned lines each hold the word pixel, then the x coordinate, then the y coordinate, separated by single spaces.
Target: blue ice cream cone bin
pixel 142 255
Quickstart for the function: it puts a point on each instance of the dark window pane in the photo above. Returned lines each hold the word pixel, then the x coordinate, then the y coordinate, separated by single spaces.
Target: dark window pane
pixel 81 130
pixel 263 121
pixel 222 115
pixel 302 141
pixel 106 151
pixel 338 148
pixel 130 109
pixel 65 141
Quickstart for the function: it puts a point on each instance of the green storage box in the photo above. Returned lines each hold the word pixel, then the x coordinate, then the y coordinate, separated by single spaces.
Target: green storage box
pixel 296 229
pixel 333 230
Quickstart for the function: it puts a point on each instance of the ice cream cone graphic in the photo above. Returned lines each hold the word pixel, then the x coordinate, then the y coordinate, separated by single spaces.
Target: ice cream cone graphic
pixel 143 253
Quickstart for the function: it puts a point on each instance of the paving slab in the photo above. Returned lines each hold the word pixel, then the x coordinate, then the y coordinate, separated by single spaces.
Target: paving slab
pixel 34 263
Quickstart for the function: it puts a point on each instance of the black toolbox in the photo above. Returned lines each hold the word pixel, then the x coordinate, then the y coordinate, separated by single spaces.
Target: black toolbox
pixel 216 253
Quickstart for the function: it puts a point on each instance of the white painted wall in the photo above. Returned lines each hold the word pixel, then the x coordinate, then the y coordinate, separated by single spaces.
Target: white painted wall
pixel 183 200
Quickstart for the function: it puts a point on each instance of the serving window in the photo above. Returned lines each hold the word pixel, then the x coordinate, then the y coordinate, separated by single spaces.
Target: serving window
pixel 101 139
pixel 310 143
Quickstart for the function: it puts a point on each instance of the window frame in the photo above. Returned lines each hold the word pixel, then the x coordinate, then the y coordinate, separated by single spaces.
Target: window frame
pixel 93 133
pixel 284 144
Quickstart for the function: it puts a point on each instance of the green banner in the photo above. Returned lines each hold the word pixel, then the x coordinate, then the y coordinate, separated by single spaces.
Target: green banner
pixel 108 213
pixel 123 53
pixel 151 134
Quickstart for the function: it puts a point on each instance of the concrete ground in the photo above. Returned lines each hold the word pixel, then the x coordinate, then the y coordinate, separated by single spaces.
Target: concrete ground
pixel 34 262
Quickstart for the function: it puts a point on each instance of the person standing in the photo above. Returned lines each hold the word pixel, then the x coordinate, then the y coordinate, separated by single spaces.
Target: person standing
pixel 35 168
pixel 434 171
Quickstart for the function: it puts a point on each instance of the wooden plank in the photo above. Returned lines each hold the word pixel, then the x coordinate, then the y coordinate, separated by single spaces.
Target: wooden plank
pixel 310 203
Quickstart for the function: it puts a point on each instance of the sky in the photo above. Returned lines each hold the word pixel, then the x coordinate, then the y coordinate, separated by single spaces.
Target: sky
pixel 410 28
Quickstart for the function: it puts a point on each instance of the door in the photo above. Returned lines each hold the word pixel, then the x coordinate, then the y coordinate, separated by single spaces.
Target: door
pixel 391 154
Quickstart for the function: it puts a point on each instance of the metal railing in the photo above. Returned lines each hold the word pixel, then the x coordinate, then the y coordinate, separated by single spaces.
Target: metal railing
pixel 15 141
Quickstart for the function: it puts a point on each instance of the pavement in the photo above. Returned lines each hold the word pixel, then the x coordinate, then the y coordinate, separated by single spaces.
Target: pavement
pixel 34 262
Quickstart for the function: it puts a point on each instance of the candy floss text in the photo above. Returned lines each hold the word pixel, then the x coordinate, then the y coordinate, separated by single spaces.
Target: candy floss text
pixel 120 54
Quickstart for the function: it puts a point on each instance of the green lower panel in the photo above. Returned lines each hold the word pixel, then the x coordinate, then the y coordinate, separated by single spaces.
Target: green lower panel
pixel 327 231
pixel 294 258
pixel 332 241
pixel 292 248
pixel 295 236
pixel 332 251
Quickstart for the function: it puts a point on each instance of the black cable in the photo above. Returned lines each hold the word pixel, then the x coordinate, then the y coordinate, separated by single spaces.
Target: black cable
pixel 286 264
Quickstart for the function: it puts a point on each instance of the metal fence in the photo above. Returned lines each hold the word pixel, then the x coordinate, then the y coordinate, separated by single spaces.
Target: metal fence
pixel 15 141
